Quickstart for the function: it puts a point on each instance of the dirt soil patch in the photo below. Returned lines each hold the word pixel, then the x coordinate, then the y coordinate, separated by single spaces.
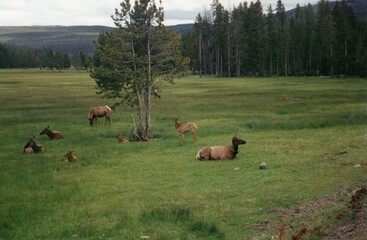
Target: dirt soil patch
pixel 351 205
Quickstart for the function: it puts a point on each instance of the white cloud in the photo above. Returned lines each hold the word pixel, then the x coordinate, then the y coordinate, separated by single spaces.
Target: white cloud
pixel 98 12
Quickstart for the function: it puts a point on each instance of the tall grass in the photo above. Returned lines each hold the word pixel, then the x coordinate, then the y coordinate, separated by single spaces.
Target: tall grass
pixel 298 126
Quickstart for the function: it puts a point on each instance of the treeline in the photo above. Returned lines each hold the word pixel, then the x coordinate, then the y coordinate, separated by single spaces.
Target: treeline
pixel 12 56
pixel 322 40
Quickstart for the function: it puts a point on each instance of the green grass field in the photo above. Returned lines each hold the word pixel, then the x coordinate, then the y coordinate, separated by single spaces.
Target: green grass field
pixel 311 132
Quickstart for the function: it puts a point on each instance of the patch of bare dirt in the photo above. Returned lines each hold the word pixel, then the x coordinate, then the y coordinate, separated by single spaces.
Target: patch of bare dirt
pixel 355 229
pixel 353 213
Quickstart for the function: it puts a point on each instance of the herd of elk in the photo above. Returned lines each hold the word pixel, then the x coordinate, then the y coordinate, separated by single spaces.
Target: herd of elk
pixel 206 153
pixel 98 112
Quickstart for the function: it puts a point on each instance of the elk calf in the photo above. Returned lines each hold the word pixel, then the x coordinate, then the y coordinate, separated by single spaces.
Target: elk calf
pixel 183 128
pixel 70 157
pixel 52 134
pixel 122 140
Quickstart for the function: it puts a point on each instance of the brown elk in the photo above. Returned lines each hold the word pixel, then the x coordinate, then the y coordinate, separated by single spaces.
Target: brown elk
pixel 122 140
pixel 69 156
pixel 32 147
pixel 97 112
pixel 52 134
pixel 282 229
pixel 183 128
pixel 220 152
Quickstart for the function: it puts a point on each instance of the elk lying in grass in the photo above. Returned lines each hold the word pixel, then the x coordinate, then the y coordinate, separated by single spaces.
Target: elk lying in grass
pixel 122 140
pixel 70 157
pixel 32 147
pixel 183 128
pixel 52 134
pixel 97 112
pixel 220 152
pixel 28 150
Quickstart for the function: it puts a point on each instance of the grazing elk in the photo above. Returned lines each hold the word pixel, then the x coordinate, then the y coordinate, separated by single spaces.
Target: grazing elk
pixel 122 140
pixel 51 134
pixel 97 112
pixel 32 147
pixel 220 152
pixel 183 128
pixel 69 156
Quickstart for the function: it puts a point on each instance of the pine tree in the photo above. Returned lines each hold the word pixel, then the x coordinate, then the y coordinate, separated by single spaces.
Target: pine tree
pixel 220 29
pixel 284 39
pixel 204 29
pixel 238 37
pixel 311 41
pixel 257 39
pixel 137 58
pixel 298 41
pixel 273 31
pixel 326 38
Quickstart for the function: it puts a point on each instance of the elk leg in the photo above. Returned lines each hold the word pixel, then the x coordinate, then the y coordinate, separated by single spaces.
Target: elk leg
pixel 181 136
pixel 107 119
pixel 194 136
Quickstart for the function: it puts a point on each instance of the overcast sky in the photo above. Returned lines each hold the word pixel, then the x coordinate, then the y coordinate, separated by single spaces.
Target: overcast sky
pixel 98 12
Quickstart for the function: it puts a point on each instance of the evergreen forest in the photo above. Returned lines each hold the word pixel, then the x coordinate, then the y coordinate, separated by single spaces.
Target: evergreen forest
pixel 13 56
pixel 325 39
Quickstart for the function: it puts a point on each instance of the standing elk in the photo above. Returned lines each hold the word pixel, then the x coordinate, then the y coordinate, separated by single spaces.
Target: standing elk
pixel 183 128
pixel 51 134
pixel 97 112
pixel 32 147
pixel 220 152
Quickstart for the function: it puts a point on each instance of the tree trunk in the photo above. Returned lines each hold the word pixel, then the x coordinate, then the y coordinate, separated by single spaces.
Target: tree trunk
pixel 238 60
pixel 148 88
pixel 200 53
pixel 229 53
pixel 147 131
pixel 140 110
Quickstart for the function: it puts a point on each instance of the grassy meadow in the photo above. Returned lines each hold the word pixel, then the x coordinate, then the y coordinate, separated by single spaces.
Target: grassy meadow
pixel 311 132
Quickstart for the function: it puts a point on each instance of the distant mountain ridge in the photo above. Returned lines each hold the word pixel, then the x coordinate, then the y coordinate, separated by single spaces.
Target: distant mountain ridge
pixel 70 39
pixel 359 8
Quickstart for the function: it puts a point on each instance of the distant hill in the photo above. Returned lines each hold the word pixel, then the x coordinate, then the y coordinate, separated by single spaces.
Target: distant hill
pixel 183 28
pixel 72 39
pixel 359 8
pixel 68 39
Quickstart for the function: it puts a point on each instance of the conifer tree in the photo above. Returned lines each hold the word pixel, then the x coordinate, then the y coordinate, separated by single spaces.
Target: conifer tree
pixel 137 58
